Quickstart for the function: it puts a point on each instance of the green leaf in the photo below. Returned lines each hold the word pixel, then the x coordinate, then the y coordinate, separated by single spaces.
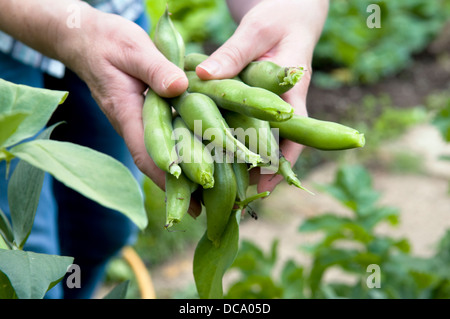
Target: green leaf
pixel 93 174
pixel 251 259
pixel 255 287
pixel 9 122
pixel 353 188
pixel 442 121
pixel 24 191
pixel 5 229
pixel 32 274
pixel 325 222
pixel 38 103
pixel 292 281
pixel 211 262
pixel 6 290
pixel 119 291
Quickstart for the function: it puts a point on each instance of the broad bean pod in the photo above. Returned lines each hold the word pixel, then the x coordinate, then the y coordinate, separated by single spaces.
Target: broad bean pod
pixel 234 95
pixel 322 135
pixel 219 200
pixel 178 198
pixel 195 160
pixel 169 41
pixel 271 76
pixel 158 129
pixel 199 112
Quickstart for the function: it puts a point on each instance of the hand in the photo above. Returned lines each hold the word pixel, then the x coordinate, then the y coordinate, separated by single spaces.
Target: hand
pixel 118 61
pixel 284 32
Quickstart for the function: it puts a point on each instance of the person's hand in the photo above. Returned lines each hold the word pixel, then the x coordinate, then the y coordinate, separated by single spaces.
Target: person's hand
pixel 284 32
pixel 118 61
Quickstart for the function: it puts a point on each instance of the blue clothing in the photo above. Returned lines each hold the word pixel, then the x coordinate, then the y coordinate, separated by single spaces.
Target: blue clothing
pixel 66 222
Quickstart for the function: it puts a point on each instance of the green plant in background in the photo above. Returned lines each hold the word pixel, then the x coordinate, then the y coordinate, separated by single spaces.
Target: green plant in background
pixel 441 121
pixel 200 22
pixel 350 243
pixel 24 113
pixel 350 52
pixel 257 271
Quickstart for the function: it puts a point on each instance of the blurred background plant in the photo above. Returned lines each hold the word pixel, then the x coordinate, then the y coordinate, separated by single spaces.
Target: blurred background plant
pixel 383 82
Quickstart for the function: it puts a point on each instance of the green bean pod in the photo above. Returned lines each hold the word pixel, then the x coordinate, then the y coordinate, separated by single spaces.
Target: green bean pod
pixel 157 121
pixel 239 97
pixel 169 41
pixel 191 60
pixel 178 198
pixel 195 160
pixel 271 76
pixel 267 145
pixel 256 134
pixel 219 200
pixel 322 135
pixel 285 169
pixel 242 175
pixel 203 117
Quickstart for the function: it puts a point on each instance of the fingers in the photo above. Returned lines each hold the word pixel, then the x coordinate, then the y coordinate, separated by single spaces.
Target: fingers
pixel 250 41
pixel 146 63
pixel 164 77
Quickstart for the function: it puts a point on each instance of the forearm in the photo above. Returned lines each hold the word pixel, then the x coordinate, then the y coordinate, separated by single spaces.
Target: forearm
pixel 42 24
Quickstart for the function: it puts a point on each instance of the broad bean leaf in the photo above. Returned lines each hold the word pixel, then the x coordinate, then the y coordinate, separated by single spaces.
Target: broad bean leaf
pixel 251 259
pixel 325 222
pixel 91 173
pixel 30 274
pixel 211 262
pixel 24 190
pixel 255 286
pixel 38 103
pixel 353 188
pixel 9 123
pixel 292 280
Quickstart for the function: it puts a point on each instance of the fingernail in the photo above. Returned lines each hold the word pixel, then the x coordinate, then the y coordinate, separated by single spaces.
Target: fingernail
pixel 168 82
pixel 211 67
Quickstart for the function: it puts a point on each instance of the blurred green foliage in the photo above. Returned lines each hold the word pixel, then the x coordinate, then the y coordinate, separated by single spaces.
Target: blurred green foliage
pixel 350 52
pixel 351 244
pixel 198 21
pixel 442 121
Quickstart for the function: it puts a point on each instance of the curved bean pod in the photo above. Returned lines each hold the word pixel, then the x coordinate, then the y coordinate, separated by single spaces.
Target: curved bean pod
pixel 157 120
pixel 169 41
pixel 267 145
pixel 239 97
pixel 178 198
pixel 200 113
pixel 219 200
pixel 195 161
pixel 191 60
pixel 271 76
pixel 322 135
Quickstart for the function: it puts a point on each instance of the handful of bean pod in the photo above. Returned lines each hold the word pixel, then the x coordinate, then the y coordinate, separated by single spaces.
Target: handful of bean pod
pixel 208 138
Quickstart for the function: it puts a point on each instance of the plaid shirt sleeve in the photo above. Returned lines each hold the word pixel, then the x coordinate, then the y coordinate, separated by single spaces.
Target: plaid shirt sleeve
pixel 129 9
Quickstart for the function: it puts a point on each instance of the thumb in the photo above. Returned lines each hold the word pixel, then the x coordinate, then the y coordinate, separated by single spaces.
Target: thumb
pixel 249 42
pixel 149 65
